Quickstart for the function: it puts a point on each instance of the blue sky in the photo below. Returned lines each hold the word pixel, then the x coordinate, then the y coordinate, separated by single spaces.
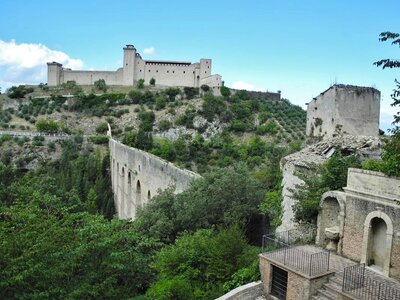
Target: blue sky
pixel 298 47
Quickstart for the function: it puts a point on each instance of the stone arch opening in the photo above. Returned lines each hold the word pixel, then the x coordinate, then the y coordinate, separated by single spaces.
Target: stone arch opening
pixel 123 172
pixel 138 194
pixel 377 241
pixel 331 221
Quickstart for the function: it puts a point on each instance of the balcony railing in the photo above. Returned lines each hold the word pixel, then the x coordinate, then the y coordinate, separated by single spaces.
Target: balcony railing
pixel 282 247
pixel 358 283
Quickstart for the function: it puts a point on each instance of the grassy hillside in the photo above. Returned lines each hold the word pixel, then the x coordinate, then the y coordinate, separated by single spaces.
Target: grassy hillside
pixel 192 130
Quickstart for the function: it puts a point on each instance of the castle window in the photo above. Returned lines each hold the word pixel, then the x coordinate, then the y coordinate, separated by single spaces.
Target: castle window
pixel 184 72
pixel 149 71
pixel 167 71
pixel 140 71
pixel 156 71
pixel 173 71
pixel 208 67
pixel 193 72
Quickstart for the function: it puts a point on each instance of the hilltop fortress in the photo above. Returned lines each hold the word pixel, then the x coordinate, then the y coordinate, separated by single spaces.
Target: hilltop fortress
pixel 166 73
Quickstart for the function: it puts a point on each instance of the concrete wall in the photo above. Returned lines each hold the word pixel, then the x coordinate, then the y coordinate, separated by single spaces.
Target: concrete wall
pixel 137 176
pixel 344 109
pixel 167 73
pixel 248 291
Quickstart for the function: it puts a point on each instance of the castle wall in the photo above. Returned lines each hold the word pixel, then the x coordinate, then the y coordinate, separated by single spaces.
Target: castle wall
pixel 170 74
pixel 137 176
pixel 344 109
pixel 166 73
pixel 89 77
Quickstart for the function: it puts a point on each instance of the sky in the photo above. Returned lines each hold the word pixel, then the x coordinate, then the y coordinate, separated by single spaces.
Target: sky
pixel 300 47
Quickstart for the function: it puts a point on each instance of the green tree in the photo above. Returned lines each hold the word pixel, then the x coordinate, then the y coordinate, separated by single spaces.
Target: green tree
pixel 172 93
pixel 332 175
pixel 226 92
pixel 152 82
pixel 140 84
pixel 101 85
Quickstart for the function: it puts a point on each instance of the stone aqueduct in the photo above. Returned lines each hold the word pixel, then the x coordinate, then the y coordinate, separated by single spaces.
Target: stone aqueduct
pixel 137 176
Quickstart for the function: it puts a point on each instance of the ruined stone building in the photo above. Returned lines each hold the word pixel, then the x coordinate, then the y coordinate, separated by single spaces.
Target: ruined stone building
pixel 344 109
pixel 166 73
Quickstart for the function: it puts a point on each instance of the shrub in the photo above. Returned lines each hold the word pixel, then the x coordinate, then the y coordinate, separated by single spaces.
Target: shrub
pixel 190 92
pixel 140 84
pixel 161 102
pixel 99 139
pixel 101 85
pixel 164 125
pixel 49 126
pixel 226 92
pixel 135 96
pixel 102 128
pixel 19 92
pixel 172 93
pixel 205 88
pixel 152 82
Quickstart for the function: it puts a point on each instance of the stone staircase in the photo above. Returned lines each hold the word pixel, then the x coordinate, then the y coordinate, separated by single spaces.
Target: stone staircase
pixel 330 289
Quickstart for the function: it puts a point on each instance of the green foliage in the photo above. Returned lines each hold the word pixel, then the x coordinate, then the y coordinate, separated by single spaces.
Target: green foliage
pixel 212 106
pixel 20 91
pixel 332 175
pixel 164 125
pixel 101 85
pixel 200 263
pixel 172 93
pixel 225 92
pixel 223 197
pixel 102 128
pixel 186 119
pixel 272 207
pixel 205 88
pixel 140 84
pixel 152 81
pixel 135 96
pixel 190 92
pixel 45 246
pixel 161 102
pixel 49 126
pixel 99 139
pixel 146 120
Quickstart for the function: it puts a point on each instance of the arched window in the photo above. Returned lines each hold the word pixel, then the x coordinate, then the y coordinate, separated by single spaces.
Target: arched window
pixel 129 177
pixel 148 195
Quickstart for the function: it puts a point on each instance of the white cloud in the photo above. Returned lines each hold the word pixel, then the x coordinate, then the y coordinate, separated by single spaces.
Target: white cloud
pixel 386 117
pixel 241 85
pixel 26 63
pixel 149 51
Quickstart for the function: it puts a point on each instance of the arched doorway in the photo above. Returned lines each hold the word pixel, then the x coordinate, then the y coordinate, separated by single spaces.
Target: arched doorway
pixel 377 241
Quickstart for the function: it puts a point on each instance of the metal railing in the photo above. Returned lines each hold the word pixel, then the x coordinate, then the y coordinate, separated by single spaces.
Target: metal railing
pixel 281 247
pixel 357 283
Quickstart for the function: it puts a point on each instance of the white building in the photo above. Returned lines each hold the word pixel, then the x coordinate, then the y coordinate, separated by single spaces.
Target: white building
pixel 166 73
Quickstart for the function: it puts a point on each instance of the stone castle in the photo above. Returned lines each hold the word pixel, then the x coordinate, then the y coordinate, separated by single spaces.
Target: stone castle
pixel 165 73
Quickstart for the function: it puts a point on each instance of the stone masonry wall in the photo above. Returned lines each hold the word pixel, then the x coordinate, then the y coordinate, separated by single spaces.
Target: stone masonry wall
pixel 137 176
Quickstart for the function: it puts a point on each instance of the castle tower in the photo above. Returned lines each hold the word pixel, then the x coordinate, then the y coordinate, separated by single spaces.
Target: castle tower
pixel 129 65
pixel 205 68
pixel 53 73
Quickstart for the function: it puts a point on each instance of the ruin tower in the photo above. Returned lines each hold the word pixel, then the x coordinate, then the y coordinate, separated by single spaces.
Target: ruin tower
pixel 54 73
pixel 129 65
pixel 205 68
